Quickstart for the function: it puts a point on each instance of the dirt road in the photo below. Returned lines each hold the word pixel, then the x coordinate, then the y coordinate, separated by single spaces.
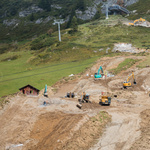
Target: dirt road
pixel 121 133
pixel 25 123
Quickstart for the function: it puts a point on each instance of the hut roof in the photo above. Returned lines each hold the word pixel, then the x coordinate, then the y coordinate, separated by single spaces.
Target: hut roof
pixel 30 86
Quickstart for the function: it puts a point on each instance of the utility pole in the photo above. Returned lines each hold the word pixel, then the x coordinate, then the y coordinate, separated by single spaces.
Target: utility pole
pixel 58 21
pixel 106 5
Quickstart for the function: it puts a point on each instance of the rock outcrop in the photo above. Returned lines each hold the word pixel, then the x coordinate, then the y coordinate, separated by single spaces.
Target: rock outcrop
pixel 88 14
pixel 30 10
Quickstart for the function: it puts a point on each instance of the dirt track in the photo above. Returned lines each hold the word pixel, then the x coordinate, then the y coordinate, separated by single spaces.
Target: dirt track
pixel 22 121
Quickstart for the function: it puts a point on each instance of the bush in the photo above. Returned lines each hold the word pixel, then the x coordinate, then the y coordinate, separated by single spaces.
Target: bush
pixel 41 42
pixel 11 58
pixel 4 48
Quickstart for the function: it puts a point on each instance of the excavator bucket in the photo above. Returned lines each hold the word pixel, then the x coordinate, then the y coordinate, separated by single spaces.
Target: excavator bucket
pixel 134 82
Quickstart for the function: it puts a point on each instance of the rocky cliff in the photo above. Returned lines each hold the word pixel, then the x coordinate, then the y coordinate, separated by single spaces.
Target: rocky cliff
pixel 88 14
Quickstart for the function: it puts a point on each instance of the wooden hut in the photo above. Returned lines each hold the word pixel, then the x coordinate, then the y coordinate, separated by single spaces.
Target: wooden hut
pixel 29 90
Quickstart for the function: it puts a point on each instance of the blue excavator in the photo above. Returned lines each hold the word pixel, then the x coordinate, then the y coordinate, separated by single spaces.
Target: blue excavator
pixel 98 74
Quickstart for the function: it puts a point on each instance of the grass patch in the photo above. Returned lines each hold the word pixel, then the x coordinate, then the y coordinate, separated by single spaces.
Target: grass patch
pixel 17 73
pixel 127 63
pixel 11 58
pixel 145 63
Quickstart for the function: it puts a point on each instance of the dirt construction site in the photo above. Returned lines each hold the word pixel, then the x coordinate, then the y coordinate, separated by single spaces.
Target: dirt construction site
pixel 27 124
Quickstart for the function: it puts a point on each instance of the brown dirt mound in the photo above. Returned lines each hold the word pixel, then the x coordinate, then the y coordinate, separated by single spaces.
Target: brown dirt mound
pixel 143 143
pixel 93 105
pixel 52 130
pixel 56 131
pixel 86 136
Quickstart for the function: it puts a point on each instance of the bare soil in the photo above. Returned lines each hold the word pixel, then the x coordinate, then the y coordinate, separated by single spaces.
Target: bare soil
pixel 144 141
pixel 25 123
pixel 52 130
pixel 56 131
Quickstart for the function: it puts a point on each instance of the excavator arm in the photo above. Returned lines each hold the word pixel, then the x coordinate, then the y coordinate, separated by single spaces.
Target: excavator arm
pixel 129 78
pixel 98 74
pixel 100 69
pixel 127 83
pixel 132 75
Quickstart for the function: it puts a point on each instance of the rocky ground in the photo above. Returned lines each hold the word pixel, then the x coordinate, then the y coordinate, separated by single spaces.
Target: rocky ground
pixel 25 123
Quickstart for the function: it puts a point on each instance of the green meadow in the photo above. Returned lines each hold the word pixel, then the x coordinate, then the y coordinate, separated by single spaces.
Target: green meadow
pixel 15 74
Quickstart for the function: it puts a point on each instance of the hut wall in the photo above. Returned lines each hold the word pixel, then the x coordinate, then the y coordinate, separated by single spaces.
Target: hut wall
pixel 29 91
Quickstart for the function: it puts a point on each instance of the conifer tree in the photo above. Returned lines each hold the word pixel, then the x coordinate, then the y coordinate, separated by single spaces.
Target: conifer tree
pixel 81 5
pixel 45 4
pixel 74 24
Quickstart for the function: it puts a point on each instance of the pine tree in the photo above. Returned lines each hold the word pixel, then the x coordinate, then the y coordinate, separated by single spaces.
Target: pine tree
pixel 81 5
pixel 74 24
pixel 45 4
pixel 31 17
pixel 70 18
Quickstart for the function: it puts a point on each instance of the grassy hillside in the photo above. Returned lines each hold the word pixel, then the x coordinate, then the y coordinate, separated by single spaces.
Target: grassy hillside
pixel 44 60
pixel 90 40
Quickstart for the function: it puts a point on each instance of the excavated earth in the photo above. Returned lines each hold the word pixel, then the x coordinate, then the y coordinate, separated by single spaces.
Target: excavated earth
pixel 26 124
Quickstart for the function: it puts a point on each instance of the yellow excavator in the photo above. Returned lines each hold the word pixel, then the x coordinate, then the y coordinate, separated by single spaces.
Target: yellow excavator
pixel 127 83
pixel 84 98
pixel 137 21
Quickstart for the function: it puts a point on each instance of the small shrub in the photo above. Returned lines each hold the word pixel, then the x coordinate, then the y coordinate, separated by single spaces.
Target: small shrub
pixel 11 58
pixel 41 42
pixel 4 48
pixel 50 31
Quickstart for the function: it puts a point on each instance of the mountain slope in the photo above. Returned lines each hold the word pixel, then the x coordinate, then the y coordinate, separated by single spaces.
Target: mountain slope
pixel 46 60
pixel 141 9
pixel 24 19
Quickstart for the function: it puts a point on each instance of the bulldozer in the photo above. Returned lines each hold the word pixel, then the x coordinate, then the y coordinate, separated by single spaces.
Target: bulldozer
pixel 127 83
pixel 105 99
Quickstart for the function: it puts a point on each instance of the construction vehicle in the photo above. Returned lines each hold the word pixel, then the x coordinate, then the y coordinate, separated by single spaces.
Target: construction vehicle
pixel 98 74
pixel 105 99
pixel 84 98
pixel 131 24
pixel 70 95
pixel 127 83
pixel 137 21
pixel 45 91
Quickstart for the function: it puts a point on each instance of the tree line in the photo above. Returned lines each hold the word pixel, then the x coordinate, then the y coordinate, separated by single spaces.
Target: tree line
pixel 76 4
